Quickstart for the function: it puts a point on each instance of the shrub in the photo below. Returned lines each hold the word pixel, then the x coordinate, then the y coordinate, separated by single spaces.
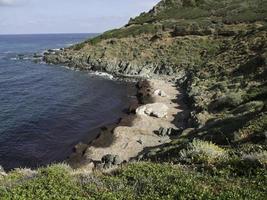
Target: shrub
pixel 252 128
pixel 54 182
pixel 136 181
pixel 203 152
pixel 257 158
pixel 229 100
pixel 79 46
pixel 253 106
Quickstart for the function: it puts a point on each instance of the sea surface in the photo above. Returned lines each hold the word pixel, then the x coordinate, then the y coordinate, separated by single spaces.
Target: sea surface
pixel 44 109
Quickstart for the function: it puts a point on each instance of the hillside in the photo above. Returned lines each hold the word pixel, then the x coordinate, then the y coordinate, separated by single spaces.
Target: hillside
pixel 216 49
pixel 216 52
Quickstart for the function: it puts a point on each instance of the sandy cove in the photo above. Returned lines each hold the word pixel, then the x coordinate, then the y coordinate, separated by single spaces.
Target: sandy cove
pixel 159 104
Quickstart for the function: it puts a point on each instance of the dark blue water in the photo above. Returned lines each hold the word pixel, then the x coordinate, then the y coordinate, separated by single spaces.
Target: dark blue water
pixel 45 110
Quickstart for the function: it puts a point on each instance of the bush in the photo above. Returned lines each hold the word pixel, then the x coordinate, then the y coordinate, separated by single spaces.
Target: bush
pixel 252 128
pixel 202 152
pixel 257 158
pixel 253 106
pixel 136 181
pixel 54 182
pixel 229 100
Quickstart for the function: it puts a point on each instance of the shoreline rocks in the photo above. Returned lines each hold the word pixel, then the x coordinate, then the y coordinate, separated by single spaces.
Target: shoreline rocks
pixel 158 110
pixel 135 132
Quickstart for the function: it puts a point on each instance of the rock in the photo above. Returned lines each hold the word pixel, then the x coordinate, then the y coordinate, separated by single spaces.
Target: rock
pixel 165 131
pixel 160 93
pixel 37 55
pixel 109 160
pixel 117 160
pixel 2 172
pixel 158 110
pixel 133 106
pixel 80 148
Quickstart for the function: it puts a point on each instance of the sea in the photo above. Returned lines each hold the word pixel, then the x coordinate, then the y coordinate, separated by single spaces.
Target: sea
pixel 45 110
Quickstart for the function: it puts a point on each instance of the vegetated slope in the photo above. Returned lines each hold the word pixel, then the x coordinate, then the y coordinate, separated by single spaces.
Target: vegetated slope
pixel 216 48
pixel 139 181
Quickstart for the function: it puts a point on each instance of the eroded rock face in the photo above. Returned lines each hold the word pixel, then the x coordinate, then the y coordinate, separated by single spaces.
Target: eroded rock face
pixel 158 110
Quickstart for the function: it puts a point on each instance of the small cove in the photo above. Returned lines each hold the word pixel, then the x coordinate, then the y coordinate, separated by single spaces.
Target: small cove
pixel 46 110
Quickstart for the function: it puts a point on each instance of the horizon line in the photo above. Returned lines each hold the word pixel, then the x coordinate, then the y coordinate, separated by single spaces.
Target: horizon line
pixel 49 33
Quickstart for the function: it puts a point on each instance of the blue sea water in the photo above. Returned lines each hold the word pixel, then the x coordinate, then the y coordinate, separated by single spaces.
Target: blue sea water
pixel 45 110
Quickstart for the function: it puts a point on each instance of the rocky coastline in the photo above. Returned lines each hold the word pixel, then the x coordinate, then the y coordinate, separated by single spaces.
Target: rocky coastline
pixel 157 115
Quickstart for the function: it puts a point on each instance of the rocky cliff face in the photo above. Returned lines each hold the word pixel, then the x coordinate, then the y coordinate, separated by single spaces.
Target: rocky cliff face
pixel 217 48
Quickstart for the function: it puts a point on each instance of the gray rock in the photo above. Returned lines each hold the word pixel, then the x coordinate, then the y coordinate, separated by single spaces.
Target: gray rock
pixel 117 160
pixel 158 110
pixel 168 131
pixel 110 160
pixel 80 148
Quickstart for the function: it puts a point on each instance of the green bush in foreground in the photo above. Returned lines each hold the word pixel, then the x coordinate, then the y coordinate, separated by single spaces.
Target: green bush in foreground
pixel 53 182
pixel 134 181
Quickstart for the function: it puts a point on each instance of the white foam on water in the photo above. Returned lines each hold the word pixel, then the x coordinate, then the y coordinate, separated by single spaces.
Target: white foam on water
pixel 102 74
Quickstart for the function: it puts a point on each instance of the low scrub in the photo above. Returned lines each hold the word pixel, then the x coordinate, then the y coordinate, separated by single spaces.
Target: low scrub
pixel 203 152
pixel 137 181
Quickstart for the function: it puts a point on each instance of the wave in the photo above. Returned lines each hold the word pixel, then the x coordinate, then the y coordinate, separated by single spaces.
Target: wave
pixel 102 74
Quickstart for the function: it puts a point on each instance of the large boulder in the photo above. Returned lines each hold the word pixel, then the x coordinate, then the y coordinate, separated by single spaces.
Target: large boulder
pixel 158 110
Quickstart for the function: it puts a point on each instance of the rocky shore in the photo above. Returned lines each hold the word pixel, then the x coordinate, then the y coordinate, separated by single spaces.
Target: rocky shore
pixel 156 115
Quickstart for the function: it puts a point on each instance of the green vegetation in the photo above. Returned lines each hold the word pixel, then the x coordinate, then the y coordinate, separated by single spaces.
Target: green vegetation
pixel 203 152
pixel 135 181
pixel 217 52
pixel 231 11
